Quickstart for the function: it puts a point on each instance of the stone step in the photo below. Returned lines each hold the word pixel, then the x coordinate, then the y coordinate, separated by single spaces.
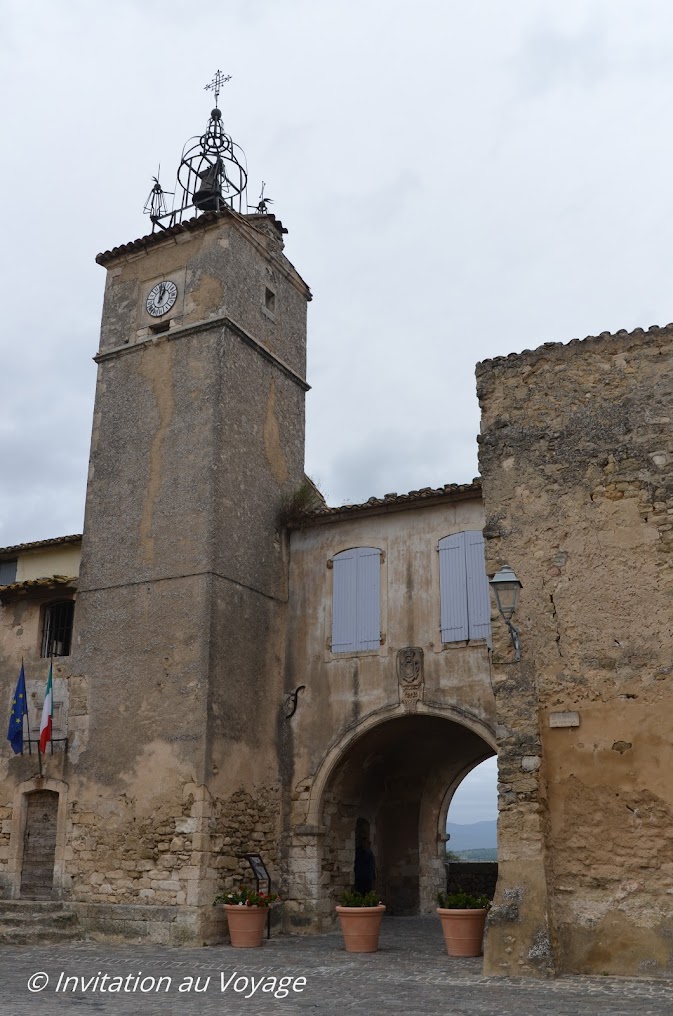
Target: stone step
pixel 37 936
pixel 33 922
pixel 51 919
pixel 38 907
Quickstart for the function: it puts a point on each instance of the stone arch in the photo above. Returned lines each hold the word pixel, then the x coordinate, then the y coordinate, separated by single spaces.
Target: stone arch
pixel 393 770
pixel 340 747
pixel 453 787
pixel 18 829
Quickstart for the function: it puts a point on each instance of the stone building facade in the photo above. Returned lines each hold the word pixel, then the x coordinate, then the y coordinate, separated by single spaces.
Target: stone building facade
pixel 252 671
pixel 208 710
pixel 576 454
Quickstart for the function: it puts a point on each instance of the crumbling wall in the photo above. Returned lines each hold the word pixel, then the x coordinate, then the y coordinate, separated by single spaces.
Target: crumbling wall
pixel 576 451
pixel 245 824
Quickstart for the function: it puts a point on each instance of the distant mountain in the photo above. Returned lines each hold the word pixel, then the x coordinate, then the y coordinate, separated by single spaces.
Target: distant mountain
pixel 482 854
pixel 475 836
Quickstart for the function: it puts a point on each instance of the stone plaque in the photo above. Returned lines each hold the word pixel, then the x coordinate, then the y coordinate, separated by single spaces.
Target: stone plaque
pixel 567 719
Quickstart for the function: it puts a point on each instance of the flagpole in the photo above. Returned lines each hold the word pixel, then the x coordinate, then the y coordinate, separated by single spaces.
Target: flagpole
pixel 51 713
pixel 30 750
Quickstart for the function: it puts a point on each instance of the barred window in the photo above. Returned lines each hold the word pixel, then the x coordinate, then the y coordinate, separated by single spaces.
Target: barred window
pixel 57 630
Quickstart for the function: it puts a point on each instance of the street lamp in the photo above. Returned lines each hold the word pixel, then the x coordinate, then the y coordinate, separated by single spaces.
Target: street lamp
pixel 506 587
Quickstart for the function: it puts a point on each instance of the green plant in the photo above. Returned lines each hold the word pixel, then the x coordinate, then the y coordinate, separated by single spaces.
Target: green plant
pixel 356 899
pixel 305 498
pixel 245 897
pixel 462 901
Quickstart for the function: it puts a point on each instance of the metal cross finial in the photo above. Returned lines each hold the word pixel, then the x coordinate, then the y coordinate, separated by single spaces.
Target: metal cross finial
pixel 217 83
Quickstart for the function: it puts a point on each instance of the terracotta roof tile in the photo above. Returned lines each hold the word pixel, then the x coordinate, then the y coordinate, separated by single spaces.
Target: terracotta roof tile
pixel 152 239
pixel 56 541
pixel 29 585
pixel 395 502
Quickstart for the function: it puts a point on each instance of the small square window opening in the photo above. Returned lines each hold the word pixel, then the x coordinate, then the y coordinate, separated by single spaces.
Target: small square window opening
pixel 270 300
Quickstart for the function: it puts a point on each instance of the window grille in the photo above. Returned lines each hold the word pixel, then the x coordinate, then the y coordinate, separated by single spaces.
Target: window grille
pixel 57 631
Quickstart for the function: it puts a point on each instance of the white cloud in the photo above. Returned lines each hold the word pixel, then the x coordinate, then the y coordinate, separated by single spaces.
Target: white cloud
pixel 459 181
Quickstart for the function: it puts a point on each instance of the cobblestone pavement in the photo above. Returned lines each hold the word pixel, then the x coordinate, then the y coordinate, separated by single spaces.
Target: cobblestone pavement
pixel 411 974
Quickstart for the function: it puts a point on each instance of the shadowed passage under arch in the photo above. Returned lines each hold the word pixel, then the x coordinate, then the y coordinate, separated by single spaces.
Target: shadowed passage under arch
pixel 393 780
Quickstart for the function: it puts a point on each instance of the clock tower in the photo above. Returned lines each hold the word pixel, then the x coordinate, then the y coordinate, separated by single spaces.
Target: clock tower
pixel 198 441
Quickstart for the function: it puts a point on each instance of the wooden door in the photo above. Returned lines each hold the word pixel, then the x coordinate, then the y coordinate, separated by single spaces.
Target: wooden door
pixel 39 845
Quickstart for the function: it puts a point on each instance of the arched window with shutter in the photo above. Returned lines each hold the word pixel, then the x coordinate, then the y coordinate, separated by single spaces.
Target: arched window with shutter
pixel 463 588
pixel 356 600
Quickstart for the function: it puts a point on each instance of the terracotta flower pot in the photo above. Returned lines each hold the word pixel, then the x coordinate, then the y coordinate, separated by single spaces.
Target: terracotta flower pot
pixel 361 927
pixel 246 925
pixel 463 931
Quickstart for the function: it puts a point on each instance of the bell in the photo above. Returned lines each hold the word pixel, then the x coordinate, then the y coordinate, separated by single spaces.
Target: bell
pixel 208 196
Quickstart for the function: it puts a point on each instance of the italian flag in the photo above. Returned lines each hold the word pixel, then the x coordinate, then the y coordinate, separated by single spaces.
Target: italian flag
pixel 47 713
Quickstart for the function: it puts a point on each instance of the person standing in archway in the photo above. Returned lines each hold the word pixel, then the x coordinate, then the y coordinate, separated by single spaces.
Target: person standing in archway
pixel 364 869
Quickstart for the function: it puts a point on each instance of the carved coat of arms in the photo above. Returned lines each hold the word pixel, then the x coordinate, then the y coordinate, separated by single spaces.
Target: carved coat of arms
pixel 410 675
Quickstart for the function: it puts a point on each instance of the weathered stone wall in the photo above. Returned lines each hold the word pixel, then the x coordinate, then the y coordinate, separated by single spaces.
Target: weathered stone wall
pixel 175 685
pixel 353 752
pixel 118 856
pixel 576 451
pixel 246 824
pixel 478 878
pixel 21 616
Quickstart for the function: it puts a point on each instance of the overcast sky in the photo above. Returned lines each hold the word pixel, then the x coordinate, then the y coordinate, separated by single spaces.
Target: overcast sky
pixel 476 799
pixel 459 181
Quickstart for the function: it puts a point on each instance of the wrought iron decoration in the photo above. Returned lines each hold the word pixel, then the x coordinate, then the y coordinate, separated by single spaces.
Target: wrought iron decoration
pixel 211 174
pixel 291 700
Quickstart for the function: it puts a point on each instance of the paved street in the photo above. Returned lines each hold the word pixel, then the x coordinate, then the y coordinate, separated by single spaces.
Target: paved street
pixel 411 974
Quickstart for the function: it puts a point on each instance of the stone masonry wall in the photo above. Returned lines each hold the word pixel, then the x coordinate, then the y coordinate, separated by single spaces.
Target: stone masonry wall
pixel 162 870
pixel 116 857
pixel 245 824
pixel 576 451
pixel 476 877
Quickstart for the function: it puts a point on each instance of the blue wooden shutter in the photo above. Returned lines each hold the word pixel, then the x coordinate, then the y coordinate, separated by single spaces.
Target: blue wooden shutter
pixel 344 605
pixel 478 597
pixel 453 588
pixel 8 572
pixel 368 634
pixel 356 600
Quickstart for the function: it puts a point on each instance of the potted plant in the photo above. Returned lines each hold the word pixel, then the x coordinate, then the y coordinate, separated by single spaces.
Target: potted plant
pixel 360 916
pixel 463 917
pixel 247 913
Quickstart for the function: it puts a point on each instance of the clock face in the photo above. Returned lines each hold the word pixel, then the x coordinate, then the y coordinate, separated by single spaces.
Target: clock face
pixel 161 298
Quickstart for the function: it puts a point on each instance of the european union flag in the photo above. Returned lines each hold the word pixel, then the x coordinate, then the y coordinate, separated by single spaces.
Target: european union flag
pixel 19 710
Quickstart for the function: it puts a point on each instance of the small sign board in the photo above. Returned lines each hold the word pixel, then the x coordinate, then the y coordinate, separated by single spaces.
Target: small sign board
pixel 263 880
pixel 259 871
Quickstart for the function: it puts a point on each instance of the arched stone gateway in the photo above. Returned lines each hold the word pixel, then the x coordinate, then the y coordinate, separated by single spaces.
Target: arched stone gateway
pixel 398 777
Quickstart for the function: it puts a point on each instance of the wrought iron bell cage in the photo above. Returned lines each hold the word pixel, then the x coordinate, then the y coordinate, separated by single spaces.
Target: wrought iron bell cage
pixel 212 175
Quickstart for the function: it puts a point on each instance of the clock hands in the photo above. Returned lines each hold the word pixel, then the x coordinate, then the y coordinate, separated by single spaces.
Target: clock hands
pixel 161 298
